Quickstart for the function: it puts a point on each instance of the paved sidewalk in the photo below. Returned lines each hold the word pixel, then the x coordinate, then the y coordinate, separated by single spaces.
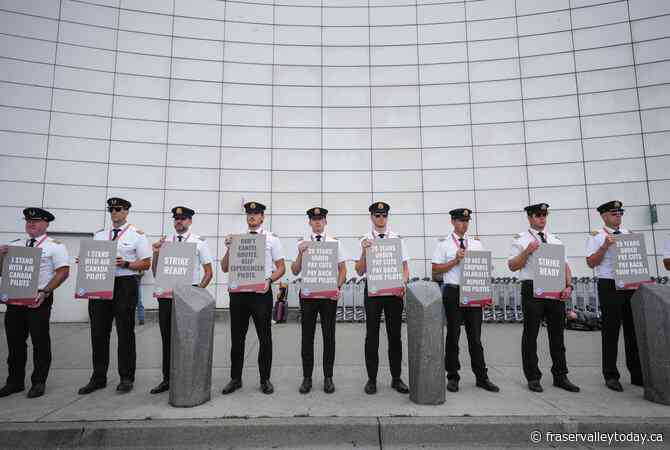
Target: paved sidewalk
pixel 71 370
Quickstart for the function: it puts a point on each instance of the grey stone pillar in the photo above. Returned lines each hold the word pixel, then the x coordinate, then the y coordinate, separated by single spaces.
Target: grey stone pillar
pixel 425 340
pixel 651 314
pixel 192 348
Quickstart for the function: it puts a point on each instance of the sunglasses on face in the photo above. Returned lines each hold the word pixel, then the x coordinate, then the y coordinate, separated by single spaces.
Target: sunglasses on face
pixel 115 209
pixel 543 214
pixel 381 215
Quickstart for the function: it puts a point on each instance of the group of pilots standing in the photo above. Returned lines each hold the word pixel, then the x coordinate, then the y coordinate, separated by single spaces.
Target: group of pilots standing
pixel 135 254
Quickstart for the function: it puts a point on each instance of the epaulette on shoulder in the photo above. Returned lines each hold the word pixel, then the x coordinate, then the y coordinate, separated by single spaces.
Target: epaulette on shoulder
pixel 15 240
pixel 476 237
pixel 274 234
pixel 56 241
pixel 100 230
pixel 334 238
pixel 138 231
pixel 202 239
pixel 517 236
pixel 442 239
pixel 594 232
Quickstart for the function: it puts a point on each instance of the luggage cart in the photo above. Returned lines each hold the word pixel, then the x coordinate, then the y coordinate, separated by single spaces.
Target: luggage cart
pixel 293 296
pixel 359 306
pixel 348 300
pixel 515 289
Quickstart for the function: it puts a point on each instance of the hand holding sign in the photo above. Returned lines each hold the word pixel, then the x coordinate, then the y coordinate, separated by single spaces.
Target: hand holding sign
pixel 533 246
pixel 460 254
pixel 41 296
pixel 156 246
pixel 609 241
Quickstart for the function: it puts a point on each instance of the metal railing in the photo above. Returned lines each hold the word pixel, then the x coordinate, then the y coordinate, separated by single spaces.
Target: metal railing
pixel 506 298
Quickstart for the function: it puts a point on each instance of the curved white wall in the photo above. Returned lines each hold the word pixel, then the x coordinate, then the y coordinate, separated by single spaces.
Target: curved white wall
pixel 430 105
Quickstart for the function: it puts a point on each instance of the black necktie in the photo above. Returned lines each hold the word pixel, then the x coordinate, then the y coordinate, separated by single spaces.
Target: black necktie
pixel 381 235
pixel 542 238
pixel 116 232
pixel 462 245
pixel 180 238
pixel 253 232
pixel 31 243
pixel 617 232
pixel 318 238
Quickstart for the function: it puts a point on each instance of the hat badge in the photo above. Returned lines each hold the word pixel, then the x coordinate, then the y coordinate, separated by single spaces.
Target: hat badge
pixel 543 206
pixel 32 212
pixel 252 205
pixel 317 211
pixel 380 205
pixel 466 213
pixel 617 204
pixel 179 211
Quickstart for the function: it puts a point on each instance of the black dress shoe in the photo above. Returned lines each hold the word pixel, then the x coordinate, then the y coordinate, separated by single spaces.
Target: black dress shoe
pixel 452 385
pixel 232 386
pixel 328 385
pixel 37 390
pixel 162 387
pixel 564 383
pixel 487 385
pixel 535 386
pixel 306 385
pixel 9 390
pixel 614 384
pixel 371 387
pixel 125 386
pixel 267 387
pixel 91 387
pixel 399 386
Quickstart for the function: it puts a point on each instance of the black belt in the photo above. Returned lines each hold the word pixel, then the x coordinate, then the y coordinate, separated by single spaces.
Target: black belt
pixel 453 286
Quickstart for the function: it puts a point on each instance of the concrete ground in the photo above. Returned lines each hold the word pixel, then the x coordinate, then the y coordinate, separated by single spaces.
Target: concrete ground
pixel 288 419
